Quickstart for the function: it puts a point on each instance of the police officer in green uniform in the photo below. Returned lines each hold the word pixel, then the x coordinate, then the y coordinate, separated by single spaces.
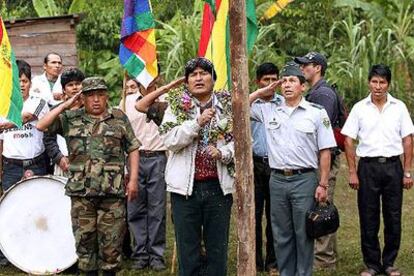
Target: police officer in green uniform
pixel 299 137
pixel 98 139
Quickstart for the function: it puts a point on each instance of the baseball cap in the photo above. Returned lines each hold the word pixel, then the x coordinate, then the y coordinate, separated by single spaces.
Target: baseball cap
pixel 93 83
pixel 313 57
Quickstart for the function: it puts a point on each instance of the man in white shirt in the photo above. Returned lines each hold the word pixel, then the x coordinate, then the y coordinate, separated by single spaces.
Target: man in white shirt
pixel 23 149
pixel 383 127
pixel 48 85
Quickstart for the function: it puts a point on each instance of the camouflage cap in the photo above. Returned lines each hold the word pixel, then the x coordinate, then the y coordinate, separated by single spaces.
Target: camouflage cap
pixel 93 83
pixel 291 69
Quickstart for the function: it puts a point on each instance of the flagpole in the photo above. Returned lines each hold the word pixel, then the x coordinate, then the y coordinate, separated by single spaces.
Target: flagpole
pixel 124 81
pixel 246 258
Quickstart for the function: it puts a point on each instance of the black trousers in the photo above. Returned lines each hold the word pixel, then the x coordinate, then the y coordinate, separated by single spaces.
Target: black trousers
pixel 262 203
pixel 202 217
pixel 380 182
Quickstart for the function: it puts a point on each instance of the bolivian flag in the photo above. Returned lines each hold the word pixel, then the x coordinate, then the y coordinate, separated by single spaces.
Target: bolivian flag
pixel 11 101
pixel 215 37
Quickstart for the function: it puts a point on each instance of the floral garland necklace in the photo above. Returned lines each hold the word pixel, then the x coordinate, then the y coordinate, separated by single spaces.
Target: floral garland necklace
pixel 183 107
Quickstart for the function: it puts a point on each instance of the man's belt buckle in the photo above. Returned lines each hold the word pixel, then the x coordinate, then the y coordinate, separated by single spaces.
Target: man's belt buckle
pixel 382 159
pixel 27 163
pixel 287 172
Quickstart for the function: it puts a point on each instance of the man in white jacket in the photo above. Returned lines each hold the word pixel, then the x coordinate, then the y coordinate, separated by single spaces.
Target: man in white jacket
pixel 197 129
pixel 47 85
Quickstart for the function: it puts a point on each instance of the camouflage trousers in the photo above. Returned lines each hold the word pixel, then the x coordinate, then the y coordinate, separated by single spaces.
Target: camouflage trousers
pixel 99 227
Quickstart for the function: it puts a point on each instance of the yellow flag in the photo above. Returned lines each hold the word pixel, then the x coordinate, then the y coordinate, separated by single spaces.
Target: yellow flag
pixel 275 8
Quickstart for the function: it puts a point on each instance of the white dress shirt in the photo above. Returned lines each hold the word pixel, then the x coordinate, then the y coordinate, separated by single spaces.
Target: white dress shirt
pixel 379 133
pixel 41 88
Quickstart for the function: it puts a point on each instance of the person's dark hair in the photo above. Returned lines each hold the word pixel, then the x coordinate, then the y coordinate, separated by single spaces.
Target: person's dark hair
pixel 202 63
pixel 380 70
pixel 301 79
pixel 71 74
pixel 24 68
pixel 323 68
pixel 266 68
pixel 46 58
pixel 134 80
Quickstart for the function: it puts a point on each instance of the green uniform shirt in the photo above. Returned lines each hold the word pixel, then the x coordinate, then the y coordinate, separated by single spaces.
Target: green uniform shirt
pixel 96 151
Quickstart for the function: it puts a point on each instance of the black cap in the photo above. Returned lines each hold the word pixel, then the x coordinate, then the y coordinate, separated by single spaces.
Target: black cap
pixel 313 57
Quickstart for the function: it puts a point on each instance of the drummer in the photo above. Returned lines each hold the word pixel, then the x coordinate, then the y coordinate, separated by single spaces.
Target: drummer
pixel 98 137
pixel 23 152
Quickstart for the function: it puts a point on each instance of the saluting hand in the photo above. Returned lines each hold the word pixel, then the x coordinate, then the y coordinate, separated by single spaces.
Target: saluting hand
pixel 353 180
pixel 270 89
pixel 173 84
pixel 72 101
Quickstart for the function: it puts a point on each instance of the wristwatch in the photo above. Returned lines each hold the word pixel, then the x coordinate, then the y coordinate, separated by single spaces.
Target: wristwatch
pixel 407 174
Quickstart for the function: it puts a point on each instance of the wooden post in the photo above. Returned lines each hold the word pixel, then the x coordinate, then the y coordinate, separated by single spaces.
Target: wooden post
pixel 246 258
pixel 123 99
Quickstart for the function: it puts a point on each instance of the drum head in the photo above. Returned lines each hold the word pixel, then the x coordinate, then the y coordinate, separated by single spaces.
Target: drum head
pixel 35 226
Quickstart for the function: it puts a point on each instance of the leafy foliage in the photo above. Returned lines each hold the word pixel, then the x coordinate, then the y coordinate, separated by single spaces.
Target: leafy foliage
pixel 353 34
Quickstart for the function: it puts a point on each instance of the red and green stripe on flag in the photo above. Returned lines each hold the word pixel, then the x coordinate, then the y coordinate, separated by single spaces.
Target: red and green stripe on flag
pixel 215 37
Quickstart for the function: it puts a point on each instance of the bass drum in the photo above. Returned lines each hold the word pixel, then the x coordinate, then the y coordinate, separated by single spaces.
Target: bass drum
pixel 35 226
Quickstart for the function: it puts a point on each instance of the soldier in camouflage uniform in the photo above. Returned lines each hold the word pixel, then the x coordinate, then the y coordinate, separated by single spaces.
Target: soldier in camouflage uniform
pixel 98 138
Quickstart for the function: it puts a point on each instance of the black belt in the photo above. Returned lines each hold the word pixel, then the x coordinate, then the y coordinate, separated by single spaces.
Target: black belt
pixel 263 159
pixel 380 159
pixel 150 153
pixel 25 162
pixel 290 172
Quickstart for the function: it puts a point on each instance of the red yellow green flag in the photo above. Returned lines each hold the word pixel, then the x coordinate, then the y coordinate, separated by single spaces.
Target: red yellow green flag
pixel 11 101
pixel 215 37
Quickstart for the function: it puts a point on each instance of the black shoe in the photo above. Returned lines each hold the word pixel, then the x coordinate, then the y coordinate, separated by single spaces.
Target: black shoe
pixel 4 262
pixel 139 264
pixel 157 265
pixel 73 270
pixel 91 273
pixel 108 273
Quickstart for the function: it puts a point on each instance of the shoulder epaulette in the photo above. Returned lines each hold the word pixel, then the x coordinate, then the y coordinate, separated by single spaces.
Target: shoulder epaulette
pixel 118 113
pixel 318 106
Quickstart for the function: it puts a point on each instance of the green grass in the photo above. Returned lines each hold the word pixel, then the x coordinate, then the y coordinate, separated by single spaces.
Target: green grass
pixel 350 259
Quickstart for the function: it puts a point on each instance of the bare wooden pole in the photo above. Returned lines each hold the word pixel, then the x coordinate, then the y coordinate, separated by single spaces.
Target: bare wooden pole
pixel 246 258
pixel 123 99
